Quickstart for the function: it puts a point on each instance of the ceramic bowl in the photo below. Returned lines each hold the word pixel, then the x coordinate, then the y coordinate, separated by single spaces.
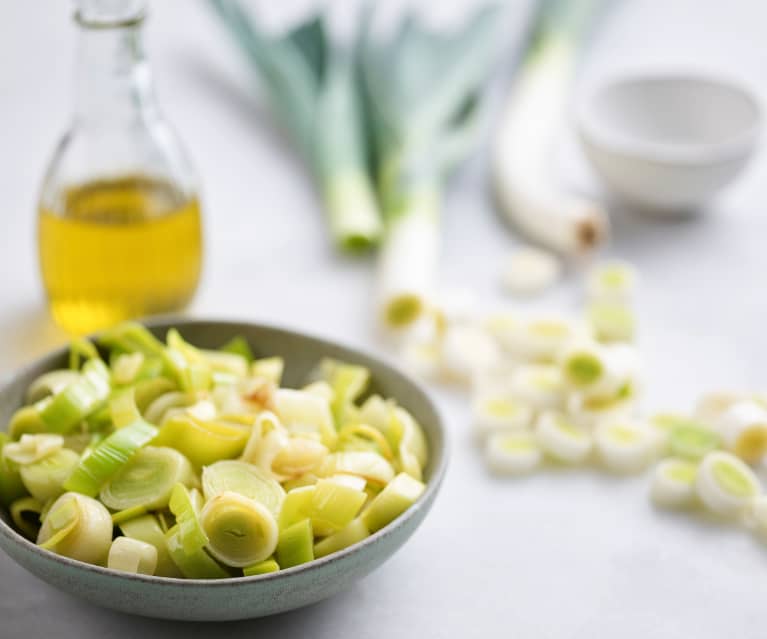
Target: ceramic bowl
pixel 669 142
pixel 242 597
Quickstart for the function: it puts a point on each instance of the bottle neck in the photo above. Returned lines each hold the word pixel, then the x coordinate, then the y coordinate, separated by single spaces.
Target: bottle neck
pixel 113 81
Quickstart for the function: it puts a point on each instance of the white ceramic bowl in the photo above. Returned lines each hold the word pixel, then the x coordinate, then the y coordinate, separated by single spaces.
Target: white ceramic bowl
pixel 668 142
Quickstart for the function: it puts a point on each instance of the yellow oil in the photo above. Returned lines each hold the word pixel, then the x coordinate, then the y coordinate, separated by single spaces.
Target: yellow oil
pixel 119 249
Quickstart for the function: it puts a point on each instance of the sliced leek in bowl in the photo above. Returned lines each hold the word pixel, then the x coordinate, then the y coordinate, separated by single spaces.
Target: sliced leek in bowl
pixel 207 470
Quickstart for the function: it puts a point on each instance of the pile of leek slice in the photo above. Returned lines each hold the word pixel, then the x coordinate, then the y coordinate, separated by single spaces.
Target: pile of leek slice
pixel 178 461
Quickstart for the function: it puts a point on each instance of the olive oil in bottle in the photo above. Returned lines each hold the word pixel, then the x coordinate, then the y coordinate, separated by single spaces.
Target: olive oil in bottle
pixel 119 224
pixel 121 248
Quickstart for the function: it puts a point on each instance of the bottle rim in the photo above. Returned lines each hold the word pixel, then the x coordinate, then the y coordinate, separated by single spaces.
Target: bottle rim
pixel 117 23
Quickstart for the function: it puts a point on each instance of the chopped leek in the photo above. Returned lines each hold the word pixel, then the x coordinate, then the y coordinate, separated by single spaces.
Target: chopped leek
pixel 611 322
pixel 145 528
pixel 334 505
pixel 302 412
pixel 398 495
pixel 132 555
pixel 561 439
pixel 268 368
pixel 673 483
pixel 494 412
pixel 238 345
pixel 512 453
pixel 366 464
pixel 26 515
pixel 240 530
pixel 197 564
pixel 44 479
pixel 261 568
pixel 530 271
pixel 11 486
pixel 348 383
pixel 692 441
pixel 79 527
pixel 613 282
pixel 32 448
pixel 743 428
pixel 541 386
pixel 148 479
pixel 353 533
pixel 625 446
pixel 295 544
pixel 50 384
pixel 296 506
pixel 202 442
pixel 244 479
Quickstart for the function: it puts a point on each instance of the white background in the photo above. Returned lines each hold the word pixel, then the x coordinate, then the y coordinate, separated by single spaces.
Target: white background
pixel 565 555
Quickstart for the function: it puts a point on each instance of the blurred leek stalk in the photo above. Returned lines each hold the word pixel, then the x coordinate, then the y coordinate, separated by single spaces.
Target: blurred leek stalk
pixel 523 144
pixel 398 112
pixel 311 90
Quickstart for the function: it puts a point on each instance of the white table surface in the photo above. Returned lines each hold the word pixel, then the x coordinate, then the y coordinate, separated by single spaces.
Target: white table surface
pixel 570 555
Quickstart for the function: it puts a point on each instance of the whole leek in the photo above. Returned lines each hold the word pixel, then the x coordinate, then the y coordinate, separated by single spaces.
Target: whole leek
pixel 311 87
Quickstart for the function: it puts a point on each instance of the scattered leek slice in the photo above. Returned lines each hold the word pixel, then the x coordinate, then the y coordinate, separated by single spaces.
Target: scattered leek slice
pixel 50 383
pixel 145 528
pixel 108 457
pixel 673 483
pixel 541 386
pixel 295 545
pixel 244 479
pixel 613 282
pixel 562 440
pixel 625 446
pixel 497 411
pixel 261 568
pixel 353 533
pixel 80 398
pixel 540 338
pixel 311 90
pixel 530 271
pixel 240 530
pixel 399 494
pixel 79 527
pixel 333 506
pixel 743 428
pixel 692 441
pixel 422 97
pixel 132 555
pixel 32 448
pixel 523 140
pixel 26 515
pixel 725 484
pixel 512 453
pixel 44 479
pixel 268 368
pixel 611 322
pixel 147 480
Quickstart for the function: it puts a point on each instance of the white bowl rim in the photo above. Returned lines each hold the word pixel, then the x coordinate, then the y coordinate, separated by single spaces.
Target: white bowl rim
pixel 669 154
pixel 432 485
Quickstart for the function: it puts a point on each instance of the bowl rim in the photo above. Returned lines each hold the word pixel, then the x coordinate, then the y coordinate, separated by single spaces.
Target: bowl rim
pixel 168 321
pixel 669 154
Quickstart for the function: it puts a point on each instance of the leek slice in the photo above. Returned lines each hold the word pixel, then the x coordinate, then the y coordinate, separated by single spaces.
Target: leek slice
pixel 148 479
pixel 692 441
pixel 228 363
pixel 185 505
pixel 145 528
pixel 238 345
pixel 79 399
pixel 353 533
pixel 743 428
pixel 295 544
pixel 299 456
pixel 44 479
pixel 296 506
pixel 673 483
pixel 401 493
pixel 412 450
pixel 81 348
pixel 333 506
pixel 159 409
pixel 11 486
pixel 512 453
pixel 202 442
pixel 561 439
pixel 625 446
pixel 126 367
pixel 148 390
pixel 27 420
pixel 261 568
pixel 50 383
pixel 725 484
pixel 364 437
pixel 110 455
pixel 244 479
pixel 79 527
pixel 188 364
pixel 367 464
pixel 497 411
pixel 614 281
pixel 132 555
pixel 197 564
pixel 26 514
pixel 302 412
pixel 128 514
pixel 611 322
pixel 268 368
pixel 348 382
pixel 130 337
pixel 240 530
pixel 32 448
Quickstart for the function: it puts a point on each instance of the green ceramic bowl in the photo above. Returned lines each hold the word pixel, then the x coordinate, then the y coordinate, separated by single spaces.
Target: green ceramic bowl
pixel 243 597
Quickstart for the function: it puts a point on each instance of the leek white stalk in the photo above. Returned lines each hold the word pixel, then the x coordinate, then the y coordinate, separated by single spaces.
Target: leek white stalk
pixel 612 282
pixel 523 141
pixel 541 386
pixel 562 440
pixel 512 453
pixel 743 428
pixel 625 446
pixel 497 412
